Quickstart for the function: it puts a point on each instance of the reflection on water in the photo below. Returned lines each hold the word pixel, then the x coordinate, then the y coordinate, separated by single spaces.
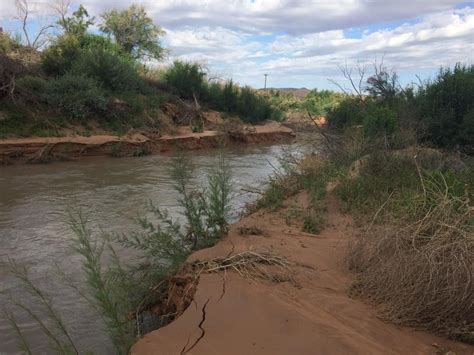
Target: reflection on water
pixel 34 201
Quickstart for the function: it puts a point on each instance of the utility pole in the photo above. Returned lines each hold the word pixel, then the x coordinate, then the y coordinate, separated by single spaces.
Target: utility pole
pixel 265 87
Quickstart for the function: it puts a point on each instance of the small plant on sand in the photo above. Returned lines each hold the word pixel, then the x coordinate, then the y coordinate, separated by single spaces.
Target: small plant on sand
pixel 310 173
pixel 313 221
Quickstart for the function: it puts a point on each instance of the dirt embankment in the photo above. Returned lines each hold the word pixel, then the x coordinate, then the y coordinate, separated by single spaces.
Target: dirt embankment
pixel 44 149
pixel 307 312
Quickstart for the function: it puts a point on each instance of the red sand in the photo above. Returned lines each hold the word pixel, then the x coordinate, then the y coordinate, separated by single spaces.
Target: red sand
pixel 314 316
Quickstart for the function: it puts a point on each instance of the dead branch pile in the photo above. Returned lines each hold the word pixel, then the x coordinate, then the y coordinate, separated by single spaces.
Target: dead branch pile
pixel 422 272
pixel 250 264
pixel 185 114
pixel 9 71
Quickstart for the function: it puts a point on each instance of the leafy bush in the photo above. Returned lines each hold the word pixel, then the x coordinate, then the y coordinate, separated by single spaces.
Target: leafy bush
pixel 349 112
pixel 214 95
pixel 115 73
pixel 253 107
pixel 31 86
pixel 446 107
pixel 8 43
pixel 186 79
pixel 321 102
pixel 379 121
pixel 58 58
pixel 230 97
pixel 77 96
pixel 61 56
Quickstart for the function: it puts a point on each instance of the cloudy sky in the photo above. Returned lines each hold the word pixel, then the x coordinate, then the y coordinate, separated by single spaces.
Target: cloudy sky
pixel 302 43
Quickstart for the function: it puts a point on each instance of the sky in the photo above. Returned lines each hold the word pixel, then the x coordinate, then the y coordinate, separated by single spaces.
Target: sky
pixel 302 43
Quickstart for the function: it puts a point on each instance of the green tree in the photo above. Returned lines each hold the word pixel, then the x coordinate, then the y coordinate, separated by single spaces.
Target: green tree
pixel 135 32
pixel 78 23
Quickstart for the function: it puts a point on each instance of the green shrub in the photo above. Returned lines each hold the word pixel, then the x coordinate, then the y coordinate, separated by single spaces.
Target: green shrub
pixel 31 86
pixel 91 41
pixel 467 129
pixel 8 43
pixel 349 112
pixel 381 175
pixel 379 121
pixel 253 107
pixel 313 221
pixel 446 107
pixel 321 102
pixel 113 72
pixel 230 97
pixel 273 197
pixel 62 55
pixel 186 79
pixel 58 58
pixel 76 96
pixel 214 95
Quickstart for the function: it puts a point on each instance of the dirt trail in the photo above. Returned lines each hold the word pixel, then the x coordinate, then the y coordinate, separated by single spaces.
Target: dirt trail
pixel 311 315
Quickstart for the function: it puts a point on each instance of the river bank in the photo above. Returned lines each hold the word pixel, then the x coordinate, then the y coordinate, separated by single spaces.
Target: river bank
pixel 46 149
pixel 306 311
pixel 34 207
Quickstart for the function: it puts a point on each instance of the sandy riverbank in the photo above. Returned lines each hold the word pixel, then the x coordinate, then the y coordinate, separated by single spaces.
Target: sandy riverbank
pixel 311 313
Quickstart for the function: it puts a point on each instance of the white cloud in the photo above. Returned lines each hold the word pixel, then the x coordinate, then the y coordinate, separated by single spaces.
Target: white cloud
pixel 258 16
pixel 438 39
pixel 305 41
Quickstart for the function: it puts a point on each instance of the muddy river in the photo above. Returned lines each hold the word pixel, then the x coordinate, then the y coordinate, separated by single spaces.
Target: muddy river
pixel 34 231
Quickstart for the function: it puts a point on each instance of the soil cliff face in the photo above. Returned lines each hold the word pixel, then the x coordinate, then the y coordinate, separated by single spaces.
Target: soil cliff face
pixel 43 149
pixel 307 312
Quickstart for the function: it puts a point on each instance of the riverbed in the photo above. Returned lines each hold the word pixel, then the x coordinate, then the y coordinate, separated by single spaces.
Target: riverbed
pixel 34 204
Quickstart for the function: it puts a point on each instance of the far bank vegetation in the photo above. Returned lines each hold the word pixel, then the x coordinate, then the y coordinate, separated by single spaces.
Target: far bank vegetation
pixel 70 78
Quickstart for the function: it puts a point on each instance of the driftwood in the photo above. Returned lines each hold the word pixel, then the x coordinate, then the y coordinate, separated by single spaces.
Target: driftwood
pixel 185 114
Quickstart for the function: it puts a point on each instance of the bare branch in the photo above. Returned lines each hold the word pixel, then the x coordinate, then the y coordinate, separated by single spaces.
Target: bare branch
pixel 61 9
pixel 24 13
pixel 334 82
pixel 347 72
pixel 362 70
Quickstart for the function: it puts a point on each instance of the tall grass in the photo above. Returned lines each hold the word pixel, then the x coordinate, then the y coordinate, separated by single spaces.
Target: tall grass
pixel 420 266
pixel 415 253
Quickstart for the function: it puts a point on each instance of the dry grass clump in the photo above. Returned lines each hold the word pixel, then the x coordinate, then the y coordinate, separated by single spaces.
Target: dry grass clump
pixel 421 269
pixel 312 165
pixel 250 230
pixel 250 264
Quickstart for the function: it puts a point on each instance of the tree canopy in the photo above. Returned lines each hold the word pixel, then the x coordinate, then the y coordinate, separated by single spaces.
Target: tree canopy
pixel 78 23
pixel 135 32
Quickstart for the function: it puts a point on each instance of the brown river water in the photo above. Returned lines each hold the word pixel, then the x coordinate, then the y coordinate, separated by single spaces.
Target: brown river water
pixel 34 231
